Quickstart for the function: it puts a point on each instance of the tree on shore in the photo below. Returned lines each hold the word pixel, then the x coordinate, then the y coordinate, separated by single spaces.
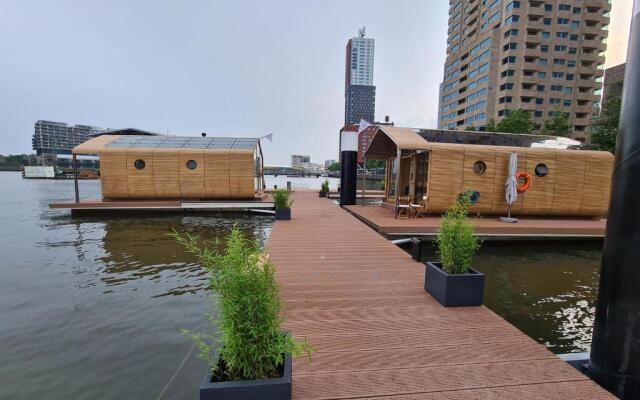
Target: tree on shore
pixel 604 129
pixel 557 125
pixel 516 121
pixel 335 167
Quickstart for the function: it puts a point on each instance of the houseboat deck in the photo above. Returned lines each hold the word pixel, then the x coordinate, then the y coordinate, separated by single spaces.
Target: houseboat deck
pixel 360 302
pixel 488 227
pixel 97 206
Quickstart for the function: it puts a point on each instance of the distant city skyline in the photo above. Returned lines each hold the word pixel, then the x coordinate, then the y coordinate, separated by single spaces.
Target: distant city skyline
pixel 213 67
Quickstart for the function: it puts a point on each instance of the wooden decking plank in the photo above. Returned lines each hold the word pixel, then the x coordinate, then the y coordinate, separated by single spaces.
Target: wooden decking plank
pixel 360 302
pixel 382 220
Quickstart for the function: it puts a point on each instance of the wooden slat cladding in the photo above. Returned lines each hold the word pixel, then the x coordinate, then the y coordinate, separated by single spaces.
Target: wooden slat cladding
pixel 483 183
pixel 166 163
pixel 113 174
pixel 445 176
pixel 216 174
pixel 192 180
pixel 597 178
pixel 241 174
pixel 539 198
pixel 569 185
pixel 140 182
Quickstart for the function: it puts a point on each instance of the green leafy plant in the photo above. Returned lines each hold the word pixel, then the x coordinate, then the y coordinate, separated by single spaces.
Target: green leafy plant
pixel 325 186
pixel 558 125
pixel 604 130
pixel 246 294
pixel 455 240
pixel 517 121
pixel 281 199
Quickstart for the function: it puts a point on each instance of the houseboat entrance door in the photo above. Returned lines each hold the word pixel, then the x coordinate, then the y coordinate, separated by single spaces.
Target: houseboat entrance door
pixel 421 176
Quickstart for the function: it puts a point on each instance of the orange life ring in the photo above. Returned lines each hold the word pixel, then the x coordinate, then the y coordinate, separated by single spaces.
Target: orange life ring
pixel 527 181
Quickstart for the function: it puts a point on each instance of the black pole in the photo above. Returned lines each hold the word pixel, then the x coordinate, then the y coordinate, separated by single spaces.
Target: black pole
pixel 75 178
pixel 348 168
pixel 615 348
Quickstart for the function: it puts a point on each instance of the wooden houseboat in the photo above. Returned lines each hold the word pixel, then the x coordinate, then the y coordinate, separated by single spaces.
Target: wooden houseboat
pixel 177 167
pixel 563 182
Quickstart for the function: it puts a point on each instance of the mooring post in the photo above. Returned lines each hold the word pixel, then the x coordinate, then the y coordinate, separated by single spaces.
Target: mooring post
pixel 289 186
pixel 416 249
pixel 615 348
pixel 348 167
pixel 75 177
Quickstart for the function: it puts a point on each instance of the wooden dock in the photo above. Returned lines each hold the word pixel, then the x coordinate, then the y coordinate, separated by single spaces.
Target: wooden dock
pixel 360 302
pixel 488 227
pixel 110 206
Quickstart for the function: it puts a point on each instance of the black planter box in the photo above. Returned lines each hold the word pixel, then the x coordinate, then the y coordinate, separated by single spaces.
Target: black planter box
pixel 283 214
pixel 454 290
pixel 274 388
pixel 322 194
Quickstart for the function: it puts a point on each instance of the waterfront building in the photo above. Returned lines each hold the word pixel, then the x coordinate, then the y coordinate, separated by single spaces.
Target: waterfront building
pixel 421 169
pixel 613 81
pixel 51 138
pixel 299 161
pixel 359 92
pixel 540 56
pixel 177 167
pixel 329 163
pixel 365 136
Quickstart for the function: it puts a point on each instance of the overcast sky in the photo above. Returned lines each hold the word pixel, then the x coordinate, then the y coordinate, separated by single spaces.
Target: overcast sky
pixel 244 68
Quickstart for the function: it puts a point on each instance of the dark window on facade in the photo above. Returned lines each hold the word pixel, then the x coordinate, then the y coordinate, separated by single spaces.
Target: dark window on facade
pixel 541 170
pixel 139 164
pixel 479 167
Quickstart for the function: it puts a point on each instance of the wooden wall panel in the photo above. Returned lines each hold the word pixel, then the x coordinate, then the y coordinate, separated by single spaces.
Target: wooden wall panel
pixel 503 154
pixel 216 174
pixel 166 173
pixel 569 185
pixel 445 176
pixel 595 199
pixel 192 181
pixel 539 198
pixel 241 174
pixel 113 173
pixel 484 183
pixel 140 182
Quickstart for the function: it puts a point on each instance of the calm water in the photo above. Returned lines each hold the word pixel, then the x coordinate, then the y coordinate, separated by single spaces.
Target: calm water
pixel 93 308
pixel 546 289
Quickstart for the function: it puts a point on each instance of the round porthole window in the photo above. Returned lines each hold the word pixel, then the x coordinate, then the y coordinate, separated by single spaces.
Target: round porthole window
pixel 541 170
pixel 139 164
pixel 479 167
pixel 192 164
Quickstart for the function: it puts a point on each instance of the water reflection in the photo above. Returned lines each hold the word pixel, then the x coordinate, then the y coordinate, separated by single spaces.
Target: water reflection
pixel 547 290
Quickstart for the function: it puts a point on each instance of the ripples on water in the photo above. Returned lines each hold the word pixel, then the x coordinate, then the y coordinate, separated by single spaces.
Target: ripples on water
pixel 93 307
pixel 548 290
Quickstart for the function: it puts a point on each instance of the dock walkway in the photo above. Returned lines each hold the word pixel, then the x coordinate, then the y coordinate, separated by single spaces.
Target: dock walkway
pixel 360 302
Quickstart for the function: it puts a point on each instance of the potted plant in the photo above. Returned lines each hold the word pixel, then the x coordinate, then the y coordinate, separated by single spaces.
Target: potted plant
pixel 324 189
pixel 282 204
pixel 254 357
pixel 452 282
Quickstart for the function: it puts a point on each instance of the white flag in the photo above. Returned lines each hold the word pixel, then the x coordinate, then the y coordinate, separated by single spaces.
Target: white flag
pixel 269 137
pixel 363 125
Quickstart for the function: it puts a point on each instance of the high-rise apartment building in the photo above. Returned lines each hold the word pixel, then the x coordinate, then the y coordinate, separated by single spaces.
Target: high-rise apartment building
pixel 613 81
pixel 359 92
pixel 51 137
pixel 538 55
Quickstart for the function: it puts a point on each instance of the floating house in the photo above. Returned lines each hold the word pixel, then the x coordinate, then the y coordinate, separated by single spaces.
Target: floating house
pixel 176 167
pixel 563 182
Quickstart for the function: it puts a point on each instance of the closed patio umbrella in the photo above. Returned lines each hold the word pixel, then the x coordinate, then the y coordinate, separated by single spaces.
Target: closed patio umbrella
pixel 510 188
